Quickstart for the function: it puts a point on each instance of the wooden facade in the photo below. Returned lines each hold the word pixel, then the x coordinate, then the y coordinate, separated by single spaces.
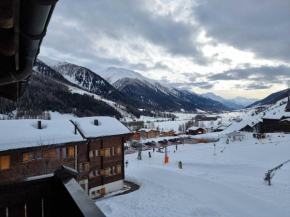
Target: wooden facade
pixel 196 131
pixel 167 133
pixel 147 134
pixel 275 125
pixel 136 136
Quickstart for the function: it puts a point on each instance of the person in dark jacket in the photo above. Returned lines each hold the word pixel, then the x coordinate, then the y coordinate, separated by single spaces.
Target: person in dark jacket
pixel 149 154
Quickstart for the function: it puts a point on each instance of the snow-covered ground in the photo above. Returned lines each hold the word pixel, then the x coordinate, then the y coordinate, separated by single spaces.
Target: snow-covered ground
pixel 226 184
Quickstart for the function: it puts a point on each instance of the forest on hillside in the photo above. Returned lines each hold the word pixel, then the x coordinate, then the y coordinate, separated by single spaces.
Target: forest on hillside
pixel 45 94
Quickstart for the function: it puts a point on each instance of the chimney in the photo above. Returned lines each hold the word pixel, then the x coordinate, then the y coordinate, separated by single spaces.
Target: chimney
pixel 75 128
pixel 39 125
pixel 96 122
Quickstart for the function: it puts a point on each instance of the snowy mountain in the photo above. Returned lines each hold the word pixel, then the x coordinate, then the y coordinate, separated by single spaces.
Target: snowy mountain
pixel 272 98
pixel 244 101
pixel 129 88
pixel 166 98
pixel 229 103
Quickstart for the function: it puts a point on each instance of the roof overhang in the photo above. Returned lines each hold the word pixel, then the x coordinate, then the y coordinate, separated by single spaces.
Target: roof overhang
pixel 23 25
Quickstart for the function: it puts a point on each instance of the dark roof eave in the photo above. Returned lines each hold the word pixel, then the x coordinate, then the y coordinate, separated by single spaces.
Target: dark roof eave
pixel 110 136
pixel 42 146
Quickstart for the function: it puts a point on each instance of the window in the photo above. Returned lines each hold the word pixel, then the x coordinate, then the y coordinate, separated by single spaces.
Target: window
pixel 91 154
pixel 31 156
pixel 57 153
pixel 4 162
pixel 119 150
pixel 96 153
pixel 113 151
pixel 80 167
pixel 110 171
pixel 113 170
pixel 64 153
pixel 71 151
pixel 97 172
pixel 39 155
pixel 26 157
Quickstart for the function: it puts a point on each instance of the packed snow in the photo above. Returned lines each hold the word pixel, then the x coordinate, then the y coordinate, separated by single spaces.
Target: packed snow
pixel 229 183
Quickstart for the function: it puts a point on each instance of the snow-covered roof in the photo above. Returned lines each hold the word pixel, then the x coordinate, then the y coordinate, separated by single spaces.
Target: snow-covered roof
pixel 285 120
pixel 16 134
pixel 276 115
pixel 146 130
pixel 194 128
pixel 107 126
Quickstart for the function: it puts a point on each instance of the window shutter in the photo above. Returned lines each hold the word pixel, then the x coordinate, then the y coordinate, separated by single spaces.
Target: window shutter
pixel 119 169
pixel 52 154
pixel 107 172
pixel 87 166
pixel 4 162
pixel 102 152
pixel 119 150
pixel 107 152
pixel 71 151
pixel 26 157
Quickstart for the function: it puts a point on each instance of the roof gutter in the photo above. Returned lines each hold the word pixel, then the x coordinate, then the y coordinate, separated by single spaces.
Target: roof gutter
pixel 31 19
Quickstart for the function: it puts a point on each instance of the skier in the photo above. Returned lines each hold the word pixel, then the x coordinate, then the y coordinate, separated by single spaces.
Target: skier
pixel 174 151
pixel 127 163
pixel 176 147
pixel 153 150
pixel 149 154
pixel 180 165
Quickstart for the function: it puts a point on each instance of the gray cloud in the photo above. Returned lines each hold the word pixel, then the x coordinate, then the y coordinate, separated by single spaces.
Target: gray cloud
pixel 75 26
pixel 268 74
pixel 262 27
pixel 201 85
pixel 255 86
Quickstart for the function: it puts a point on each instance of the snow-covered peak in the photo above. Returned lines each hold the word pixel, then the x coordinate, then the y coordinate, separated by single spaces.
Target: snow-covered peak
pixel 113 74
pixel 50 62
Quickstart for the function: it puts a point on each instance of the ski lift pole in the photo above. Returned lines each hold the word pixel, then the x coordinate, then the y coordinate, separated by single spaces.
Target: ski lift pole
pixel 214 149
pixel 166 159
pixel 269 175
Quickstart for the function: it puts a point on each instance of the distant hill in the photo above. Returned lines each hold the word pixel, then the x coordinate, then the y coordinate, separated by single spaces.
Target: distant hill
pixel 272 98
pixel 229 103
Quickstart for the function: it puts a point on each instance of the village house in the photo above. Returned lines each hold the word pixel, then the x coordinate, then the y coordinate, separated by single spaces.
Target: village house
pixel 278 121
pixel 104 169
pixel 42 146
pixel 136 136
pixel 31 147
pixel 195 131
pixel 167 132
pixel 147 133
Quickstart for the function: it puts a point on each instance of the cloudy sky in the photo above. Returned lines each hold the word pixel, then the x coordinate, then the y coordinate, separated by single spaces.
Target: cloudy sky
pixel 231 48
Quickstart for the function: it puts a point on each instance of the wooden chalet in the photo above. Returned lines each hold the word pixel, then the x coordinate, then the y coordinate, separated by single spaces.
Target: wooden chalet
pixel 277 121
pixel 147 133
pixel 136 136
pixel 167 133
pixel 103 171
pixel 41 147
pixel 195 131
